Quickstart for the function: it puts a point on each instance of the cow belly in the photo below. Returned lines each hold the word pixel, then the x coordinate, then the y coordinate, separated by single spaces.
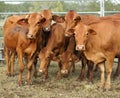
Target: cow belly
pixel 95 57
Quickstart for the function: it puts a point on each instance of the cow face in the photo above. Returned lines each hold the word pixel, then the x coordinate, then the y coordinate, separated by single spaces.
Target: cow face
pixel 47 14
pixel 35 21
pixel 66 59
pixel 82 32
pixel 71 19
pixel 44 60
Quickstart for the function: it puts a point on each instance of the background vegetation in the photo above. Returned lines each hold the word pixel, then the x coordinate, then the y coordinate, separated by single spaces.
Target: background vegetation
pixel 56 6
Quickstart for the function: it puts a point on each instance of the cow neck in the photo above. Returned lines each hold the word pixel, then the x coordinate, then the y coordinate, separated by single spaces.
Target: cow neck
pixel 46 35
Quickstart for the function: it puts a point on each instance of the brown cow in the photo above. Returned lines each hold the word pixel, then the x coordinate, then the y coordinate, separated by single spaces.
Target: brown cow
pixel 55 46
pixel 24 36
pixel 69 57
pixel 9 43
pixel 70 18
pixel 87 19
pixel 97 46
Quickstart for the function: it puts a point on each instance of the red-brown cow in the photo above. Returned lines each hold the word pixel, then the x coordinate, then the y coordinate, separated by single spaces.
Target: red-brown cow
pixel 10 33
pixel 68 58
pixel 70 18
pixel 97 46
pixel 25 38
pixel 55 46
pixel 87 19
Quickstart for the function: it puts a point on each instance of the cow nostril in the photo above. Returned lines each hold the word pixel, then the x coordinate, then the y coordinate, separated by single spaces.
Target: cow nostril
pixel 77 47
pixel 64 71
pixel 83 47
pixel 30 36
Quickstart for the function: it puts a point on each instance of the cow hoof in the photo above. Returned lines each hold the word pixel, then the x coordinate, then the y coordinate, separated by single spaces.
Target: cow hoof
pixel 106 89
pixel 115 76
pixel 29 82
pixel 79 79
pixel 89 82
pixel 12 75
pixel 8 74
pixel 35 75
pixel 20 83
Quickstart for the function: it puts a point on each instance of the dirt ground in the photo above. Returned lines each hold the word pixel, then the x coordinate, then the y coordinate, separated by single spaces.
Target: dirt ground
pixel 53 88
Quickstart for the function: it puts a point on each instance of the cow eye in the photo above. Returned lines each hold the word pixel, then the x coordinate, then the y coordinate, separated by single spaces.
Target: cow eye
pixel 38 23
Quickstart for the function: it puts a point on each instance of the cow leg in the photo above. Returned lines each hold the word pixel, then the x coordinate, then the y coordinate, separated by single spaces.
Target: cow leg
pixel 34 68
pixel 59 72
pixel 72 67
pixel 82 74
pixel 109 64
pixel 118 69
pixel 90 71
pixel 12 59
pixel 102 69
pixel 29 66
pixel 21 65
pixel 7 57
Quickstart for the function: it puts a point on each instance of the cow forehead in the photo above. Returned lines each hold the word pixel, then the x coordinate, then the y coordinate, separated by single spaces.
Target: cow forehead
pixel 47 14
pixel 81 28
pixel 70 15
pixel 35 17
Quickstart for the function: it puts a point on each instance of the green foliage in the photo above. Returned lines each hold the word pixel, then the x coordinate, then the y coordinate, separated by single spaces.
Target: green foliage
pixel 60 6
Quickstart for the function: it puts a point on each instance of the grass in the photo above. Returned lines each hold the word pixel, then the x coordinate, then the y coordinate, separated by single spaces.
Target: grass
pixel 53 88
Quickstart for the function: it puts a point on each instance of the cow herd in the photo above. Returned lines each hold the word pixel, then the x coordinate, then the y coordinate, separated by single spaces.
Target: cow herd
pixel 66 39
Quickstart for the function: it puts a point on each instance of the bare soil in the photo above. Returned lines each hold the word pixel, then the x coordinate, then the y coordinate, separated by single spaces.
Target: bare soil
pixel 53 88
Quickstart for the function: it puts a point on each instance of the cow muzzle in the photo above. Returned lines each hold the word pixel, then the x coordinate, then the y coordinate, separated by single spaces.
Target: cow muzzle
pixel 30 36
pixel 46 29
pixel 64 72
pixel 67 35
pixel 41 71
pixel 80 47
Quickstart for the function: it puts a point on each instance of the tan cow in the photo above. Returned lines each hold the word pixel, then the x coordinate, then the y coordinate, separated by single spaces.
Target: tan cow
pixel 55 46
pixel 11 33
pixel 88 19
pixel 100 42
pixel 25 35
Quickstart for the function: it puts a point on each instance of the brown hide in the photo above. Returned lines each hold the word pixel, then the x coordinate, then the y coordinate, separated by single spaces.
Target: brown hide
pixel 24 42
pixel 100 42
pixel 11 32
pixel 54 47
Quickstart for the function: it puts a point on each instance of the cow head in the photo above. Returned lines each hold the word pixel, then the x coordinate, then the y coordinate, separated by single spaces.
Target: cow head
pixel 66 59
pixel 82 33
pixel 44 60
pixel 71 20
pixel 47 14
pixel 34 22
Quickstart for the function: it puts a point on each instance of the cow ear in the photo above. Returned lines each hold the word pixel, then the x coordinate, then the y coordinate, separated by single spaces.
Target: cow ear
pixel 23 21
pixel 58 19
pixel 91 31
pixel 77 19
pixel 42 20
pixel 54 17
